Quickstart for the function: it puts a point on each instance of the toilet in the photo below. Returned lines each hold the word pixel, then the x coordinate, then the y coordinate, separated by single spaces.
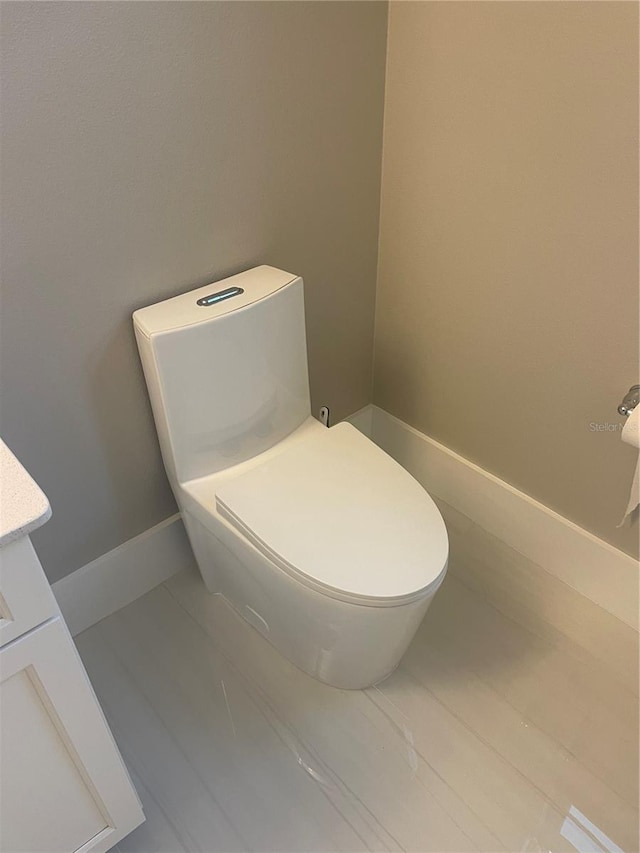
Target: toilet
pixel 314 535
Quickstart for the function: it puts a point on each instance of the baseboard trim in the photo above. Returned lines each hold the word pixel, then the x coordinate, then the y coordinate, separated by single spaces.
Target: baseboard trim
pixel 363 420
pixel 589 565
pixel 120 576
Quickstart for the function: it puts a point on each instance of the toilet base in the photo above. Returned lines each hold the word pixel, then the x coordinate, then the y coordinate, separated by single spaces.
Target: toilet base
pixel 346 645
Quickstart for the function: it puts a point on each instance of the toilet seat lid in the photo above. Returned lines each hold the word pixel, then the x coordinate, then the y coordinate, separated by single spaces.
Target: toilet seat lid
pixel 339 514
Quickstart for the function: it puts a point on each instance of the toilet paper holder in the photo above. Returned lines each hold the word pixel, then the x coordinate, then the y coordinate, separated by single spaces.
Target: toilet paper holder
pixel 630 401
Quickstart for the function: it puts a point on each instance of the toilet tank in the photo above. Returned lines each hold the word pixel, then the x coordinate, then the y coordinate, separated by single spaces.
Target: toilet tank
pixel 226 369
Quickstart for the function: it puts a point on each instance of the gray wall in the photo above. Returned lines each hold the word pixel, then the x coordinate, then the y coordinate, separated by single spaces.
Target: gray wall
pixel 507 316
pixel 149 148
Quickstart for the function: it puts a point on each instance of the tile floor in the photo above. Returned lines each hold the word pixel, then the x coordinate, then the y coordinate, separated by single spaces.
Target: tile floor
pixel 499 731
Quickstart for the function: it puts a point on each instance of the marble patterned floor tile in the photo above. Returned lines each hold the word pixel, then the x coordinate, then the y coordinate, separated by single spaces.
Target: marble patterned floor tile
pixel 479 741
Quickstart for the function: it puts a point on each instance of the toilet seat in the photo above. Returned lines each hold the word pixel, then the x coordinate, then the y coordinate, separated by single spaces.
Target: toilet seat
pixel 338 514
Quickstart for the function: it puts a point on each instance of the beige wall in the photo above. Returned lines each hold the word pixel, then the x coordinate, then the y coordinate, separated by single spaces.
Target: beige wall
pixel 149 148
pixel 507 308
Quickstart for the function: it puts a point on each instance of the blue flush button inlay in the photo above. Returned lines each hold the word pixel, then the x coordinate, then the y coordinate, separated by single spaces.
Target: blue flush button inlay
pixel 220 296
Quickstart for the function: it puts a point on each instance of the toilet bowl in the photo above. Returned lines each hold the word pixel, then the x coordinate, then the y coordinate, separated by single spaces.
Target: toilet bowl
pixel 316 537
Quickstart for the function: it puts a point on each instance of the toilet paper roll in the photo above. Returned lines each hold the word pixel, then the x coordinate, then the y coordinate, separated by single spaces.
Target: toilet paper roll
pixel 631 435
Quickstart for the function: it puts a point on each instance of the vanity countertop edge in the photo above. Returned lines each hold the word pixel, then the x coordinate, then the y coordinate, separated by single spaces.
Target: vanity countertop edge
pixel 23 505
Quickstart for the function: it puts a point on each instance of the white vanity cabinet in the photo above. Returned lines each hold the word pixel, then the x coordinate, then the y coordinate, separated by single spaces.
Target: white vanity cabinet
pixel 63 784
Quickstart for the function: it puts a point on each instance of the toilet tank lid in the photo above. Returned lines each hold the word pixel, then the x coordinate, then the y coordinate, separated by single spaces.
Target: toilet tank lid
pixel 338 513
pixel 184 310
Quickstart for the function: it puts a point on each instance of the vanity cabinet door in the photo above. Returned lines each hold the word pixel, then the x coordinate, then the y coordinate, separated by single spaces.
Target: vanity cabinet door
pixel 63 786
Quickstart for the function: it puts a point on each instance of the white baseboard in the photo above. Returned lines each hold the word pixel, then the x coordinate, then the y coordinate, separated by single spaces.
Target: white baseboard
pixel 363 420
pixel 589 565
pixel 119 577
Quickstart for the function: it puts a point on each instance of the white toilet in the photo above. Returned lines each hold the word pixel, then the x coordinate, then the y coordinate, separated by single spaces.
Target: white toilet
pixel 320 540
